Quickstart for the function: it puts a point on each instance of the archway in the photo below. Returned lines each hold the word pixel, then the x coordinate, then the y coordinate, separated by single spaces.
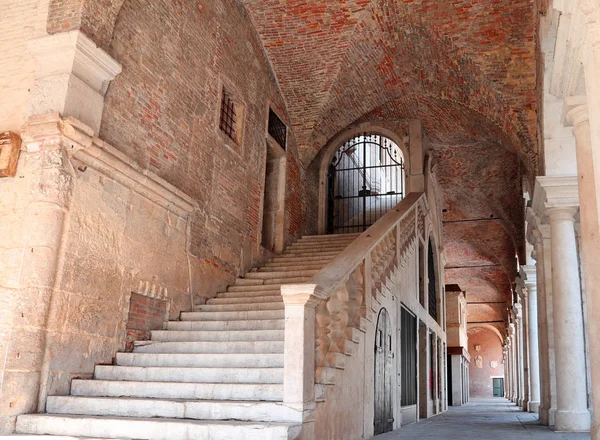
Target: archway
pixel 365 180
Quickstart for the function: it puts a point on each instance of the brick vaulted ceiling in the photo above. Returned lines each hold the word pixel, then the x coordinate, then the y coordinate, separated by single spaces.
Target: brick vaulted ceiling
pixel 466 68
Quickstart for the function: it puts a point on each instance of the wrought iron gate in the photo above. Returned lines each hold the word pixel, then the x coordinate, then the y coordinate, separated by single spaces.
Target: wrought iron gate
pixel 365 180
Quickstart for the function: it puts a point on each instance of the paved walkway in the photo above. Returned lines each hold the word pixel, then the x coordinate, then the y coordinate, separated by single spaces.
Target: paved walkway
pixel 491 419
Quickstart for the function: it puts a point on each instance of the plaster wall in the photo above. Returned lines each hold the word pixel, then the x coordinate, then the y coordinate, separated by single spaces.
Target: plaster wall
pixel 480 379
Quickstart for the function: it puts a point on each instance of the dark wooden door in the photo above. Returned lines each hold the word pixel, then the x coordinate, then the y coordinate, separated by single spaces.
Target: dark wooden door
pixel 384 418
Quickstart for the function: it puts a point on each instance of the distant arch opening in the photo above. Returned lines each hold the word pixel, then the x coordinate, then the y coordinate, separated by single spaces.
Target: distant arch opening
pixel 366 179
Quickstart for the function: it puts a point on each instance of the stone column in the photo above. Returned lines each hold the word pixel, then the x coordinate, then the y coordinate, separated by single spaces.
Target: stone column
pixel 514 397
pixel 577 114
pixel 299 346
pixel 571 389
pixel 529 278
pixel 507 369
pixel 520 358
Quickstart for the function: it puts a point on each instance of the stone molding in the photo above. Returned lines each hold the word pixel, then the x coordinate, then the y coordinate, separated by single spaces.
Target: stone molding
pixel 554 192
pixel 528 276
pixel 72 77
pixel 74 53
pixel 80 144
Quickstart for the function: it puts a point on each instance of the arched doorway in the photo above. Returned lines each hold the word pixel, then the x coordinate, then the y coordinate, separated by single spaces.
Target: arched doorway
pixel 384 416
pixel 365 180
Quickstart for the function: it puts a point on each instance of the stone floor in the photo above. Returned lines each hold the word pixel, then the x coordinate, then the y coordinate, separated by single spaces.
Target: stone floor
pixel 490 419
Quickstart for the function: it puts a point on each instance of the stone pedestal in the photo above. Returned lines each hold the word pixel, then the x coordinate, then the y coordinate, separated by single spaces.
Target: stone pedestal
pixel 299 347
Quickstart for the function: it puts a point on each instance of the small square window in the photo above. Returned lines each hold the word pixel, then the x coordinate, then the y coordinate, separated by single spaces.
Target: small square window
pixel 231 119
pixel 277 129
pixel 228 122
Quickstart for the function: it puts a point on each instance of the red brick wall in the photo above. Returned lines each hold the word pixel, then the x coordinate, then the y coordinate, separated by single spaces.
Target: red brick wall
pixel 480 379
pixel 145 314
pixel 163 111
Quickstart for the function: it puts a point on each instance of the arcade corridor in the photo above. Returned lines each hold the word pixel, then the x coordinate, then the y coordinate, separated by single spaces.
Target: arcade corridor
pixel 485 419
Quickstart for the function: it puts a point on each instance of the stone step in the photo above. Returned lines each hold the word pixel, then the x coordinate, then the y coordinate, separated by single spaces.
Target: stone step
pixel 247 299
pixel 291 280
pixel 318 246
pixel 223 335
pixel 177 390
pixel 288 267
pixel 215 360
pixel 247 282
pixel 283 274
pixel 209 347
pixel 267 291
pixel 261 288
pixel 247 306
pixel 190 374
pixel 232 316
pixel 180 409
pixel 300 260
pixel 308 254
pixel 328 236
pixel 255 324
pixel 153 429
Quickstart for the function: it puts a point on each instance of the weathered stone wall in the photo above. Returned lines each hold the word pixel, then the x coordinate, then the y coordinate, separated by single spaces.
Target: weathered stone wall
pixel 77 242
pixel 480 379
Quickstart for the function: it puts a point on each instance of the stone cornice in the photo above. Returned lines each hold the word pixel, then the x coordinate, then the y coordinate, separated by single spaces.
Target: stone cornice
pixel 554 192
pixel 79 142
pixel 528 276
pixel 74 53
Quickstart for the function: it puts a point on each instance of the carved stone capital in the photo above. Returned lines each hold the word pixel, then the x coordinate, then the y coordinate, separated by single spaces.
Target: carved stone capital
pixel 575 111
pixel 554 192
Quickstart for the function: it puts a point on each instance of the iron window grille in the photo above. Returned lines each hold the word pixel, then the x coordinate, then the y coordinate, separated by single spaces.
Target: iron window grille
pixel 228 121
pixel 277 129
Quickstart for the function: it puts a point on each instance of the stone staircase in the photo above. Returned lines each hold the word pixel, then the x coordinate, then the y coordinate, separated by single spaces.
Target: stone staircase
pixel 215 374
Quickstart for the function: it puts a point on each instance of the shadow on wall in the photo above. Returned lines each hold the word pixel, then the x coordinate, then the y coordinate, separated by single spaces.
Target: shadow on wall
pixel 486 364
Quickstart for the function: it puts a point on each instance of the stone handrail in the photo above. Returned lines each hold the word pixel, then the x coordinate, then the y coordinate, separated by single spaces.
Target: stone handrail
pixel 324 317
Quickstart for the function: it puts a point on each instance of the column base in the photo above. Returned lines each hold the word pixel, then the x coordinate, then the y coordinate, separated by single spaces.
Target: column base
pixel 572 421
pixel 595 431
pixel 533 406
pixel 521 403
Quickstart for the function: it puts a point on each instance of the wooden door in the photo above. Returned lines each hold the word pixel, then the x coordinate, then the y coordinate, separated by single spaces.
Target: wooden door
pixel 384 417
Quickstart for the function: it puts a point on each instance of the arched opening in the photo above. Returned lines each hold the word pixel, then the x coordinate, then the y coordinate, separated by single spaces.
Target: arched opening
pixel 365 180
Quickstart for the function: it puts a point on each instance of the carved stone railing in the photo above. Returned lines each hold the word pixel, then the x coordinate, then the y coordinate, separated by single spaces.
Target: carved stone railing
pixel 325 317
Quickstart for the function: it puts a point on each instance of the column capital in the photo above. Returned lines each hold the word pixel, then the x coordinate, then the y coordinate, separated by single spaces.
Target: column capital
pixel 528 275
pixel 564 213
pixel 575 111
pixel 554 192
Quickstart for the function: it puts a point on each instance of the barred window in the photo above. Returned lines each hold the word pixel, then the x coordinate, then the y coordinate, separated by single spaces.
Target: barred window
pixel 277 129
pixel 228 121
